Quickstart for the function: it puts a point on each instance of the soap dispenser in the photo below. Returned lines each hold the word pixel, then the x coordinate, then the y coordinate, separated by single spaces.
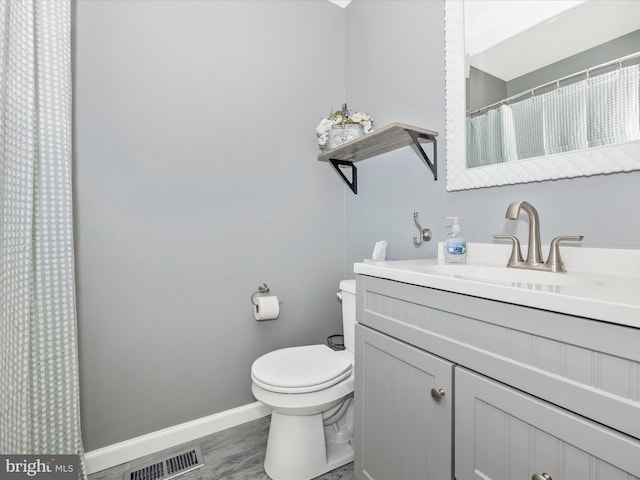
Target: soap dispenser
pixel 455 246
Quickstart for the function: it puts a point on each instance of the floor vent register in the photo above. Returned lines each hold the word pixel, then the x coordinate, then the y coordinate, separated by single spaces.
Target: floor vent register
pixel 169 467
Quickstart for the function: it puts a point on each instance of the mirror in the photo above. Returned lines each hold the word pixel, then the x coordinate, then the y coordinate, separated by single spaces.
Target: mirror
pixel 619 157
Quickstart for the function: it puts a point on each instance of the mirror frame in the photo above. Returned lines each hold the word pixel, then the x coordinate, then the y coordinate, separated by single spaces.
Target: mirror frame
pixel 623 157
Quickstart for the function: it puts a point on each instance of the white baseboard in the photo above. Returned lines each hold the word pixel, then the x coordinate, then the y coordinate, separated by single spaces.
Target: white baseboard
pixel 122 452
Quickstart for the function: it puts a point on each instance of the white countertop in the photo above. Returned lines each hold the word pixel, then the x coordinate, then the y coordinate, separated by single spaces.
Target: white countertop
pixel 601 284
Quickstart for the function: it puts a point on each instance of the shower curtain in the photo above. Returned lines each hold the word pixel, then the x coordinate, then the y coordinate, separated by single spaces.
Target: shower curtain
pixel 39 392
pixel 600 110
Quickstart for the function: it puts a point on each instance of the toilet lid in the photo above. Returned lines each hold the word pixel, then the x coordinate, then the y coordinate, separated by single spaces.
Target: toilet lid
pixel 301 368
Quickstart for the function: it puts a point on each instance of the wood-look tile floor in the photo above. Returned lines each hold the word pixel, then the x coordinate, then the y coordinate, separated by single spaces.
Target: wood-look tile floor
pixel 233 454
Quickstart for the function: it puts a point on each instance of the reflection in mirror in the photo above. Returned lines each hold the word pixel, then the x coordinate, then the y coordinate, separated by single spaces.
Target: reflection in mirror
pixel 586 90
pixel 539 106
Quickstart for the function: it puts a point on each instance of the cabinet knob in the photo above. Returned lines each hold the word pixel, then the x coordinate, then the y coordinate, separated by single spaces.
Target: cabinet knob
pixel 541 476
pixel 438 393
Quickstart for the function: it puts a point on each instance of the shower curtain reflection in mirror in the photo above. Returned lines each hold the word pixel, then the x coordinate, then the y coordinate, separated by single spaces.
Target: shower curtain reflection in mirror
pixel 596 111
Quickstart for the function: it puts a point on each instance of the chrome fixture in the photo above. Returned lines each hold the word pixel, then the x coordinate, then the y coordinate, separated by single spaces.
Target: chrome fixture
pixel 437 394
pixel 534 261
pixel 534 253
pixel 262 290
pixel 424 233
pixel 541 476
pixel 516 253
pixel 554 261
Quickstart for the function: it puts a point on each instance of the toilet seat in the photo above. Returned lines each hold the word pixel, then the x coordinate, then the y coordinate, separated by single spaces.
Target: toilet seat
pixel 301 369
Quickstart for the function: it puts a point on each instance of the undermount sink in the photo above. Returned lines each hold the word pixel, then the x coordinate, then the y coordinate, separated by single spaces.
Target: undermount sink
pixel 504 275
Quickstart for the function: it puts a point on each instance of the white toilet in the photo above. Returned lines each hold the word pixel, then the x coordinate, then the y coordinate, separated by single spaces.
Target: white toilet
pixel 310 390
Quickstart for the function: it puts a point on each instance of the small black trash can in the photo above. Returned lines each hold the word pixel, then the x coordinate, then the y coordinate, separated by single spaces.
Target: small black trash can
pixel 336 342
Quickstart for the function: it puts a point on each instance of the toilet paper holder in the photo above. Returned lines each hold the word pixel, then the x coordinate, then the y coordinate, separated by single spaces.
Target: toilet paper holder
pixel 262 290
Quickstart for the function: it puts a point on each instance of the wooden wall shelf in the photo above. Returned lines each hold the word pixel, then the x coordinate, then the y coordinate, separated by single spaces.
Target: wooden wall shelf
pixel 382 140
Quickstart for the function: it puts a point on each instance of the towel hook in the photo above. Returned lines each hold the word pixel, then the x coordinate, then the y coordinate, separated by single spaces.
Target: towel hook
pixel 425 233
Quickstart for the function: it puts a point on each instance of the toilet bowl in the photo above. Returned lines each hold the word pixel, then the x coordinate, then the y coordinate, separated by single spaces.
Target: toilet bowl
pixel 310 392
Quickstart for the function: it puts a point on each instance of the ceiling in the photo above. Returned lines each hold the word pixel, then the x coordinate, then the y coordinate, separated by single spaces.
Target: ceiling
pixel 510 38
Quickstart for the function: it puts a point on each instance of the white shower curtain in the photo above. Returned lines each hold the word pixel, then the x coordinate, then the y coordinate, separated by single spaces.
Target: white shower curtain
pixel 565 118
pixel 491 138
pixel 600 110
pixel 39 393
pixel 614 107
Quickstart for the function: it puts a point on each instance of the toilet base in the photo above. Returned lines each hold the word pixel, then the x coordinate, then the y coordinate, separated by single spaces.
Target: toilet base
pixel 297 449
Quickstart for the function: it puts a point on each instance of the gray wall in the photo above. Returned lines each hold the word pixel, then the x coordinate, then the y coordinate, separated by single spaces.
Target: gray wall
pixel 624 45
pixel 196 180
pixel 484 89
pixel 395 72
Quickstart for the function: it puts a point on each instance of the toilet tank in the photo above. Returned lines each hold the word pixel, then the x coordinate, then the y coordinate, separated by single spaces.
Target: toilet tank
pixel 348 292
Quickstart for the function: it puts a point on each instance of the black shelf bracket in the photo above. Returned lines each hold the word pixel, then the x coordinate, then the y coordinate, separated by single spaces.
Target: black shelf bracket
pixel 383 140
pixel 353 183
pixel 433 165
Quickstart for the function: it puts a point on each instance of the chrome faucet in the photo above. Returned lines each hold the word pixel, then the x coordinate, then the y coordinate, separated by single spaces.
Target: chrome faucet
pixel 534 253
pixel 534 261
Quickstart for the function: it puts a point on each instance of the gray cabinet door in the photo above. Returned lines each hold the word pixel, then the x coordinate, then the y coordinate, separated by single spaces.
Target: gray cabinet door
pixel 504 434
pixel 402 432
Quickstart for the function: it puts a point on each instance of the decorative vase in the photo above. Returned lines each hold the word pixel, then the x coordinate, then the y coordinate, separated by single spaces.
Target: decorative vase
pixel 343 134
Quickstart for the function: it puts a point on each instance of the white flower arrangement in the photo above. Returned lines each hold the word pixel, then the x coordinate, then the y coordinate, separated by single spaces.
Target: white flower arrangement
pixel 340 118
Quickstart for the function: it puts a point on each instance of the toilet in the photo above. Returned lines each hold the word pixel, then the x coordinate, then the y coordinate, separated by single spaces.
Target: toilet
pixel 310 392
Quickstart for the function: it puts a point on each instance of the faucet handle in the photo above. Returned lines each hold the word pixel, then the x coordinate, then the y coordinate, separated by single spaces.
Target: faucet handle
pixel 516 253
pixel 554 261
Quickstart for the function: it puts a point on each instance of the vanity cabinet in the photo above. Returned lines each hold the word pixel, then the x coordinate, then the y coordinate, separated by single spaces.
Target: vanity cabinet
pixel 403 431
pixel 527 391
pixel 502 433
